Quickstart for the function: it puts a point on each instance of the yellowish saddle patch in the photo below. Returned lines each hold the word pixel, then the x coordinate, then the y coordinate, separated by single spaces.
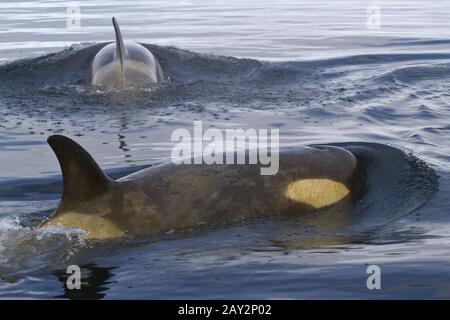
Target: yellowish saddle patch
pixel 96 227
pixel 317 193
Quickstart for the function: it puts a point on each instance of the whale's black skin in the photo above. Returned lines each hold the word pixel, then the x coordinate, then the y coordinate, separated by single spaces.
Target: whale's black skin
pixel 171 196
pixel 124 64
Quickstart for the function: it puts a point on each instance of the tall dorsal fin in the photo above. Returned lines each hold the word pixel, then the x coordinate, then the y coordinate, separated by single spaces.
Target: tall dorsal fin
pixel 120 48
pixel 82 177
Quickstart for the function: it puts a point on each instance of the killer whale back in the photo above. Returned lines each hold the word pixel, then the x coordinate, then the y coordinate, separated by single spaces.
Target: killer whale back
pixel 83 179
pixel 124 64
pixel 175 197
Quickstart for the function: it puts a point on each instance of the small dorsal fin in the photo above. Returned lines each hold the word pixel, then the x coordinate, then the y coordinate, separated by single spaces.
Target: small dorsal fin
pixel 82 177
pixel 120 48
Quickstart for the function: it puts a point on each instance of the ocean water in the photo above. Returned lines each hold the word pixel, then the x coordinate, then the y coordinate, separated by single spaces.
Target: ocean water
pixel 370 76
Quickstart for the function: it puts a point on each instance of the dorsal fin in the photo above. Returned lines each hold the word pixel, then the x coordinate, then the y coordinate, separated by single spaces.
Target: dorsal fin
pixel 82 177
pixel 120 48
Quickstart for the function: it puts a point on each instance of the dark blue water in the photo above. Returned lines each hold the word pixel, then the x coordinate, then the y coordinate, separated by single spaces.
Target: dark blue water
pixel 316 76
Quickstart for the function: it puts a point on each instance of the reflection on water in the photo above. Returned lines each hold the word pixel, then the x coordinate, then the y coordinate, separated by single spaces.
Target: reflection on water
pixel 95 281
pixel 123 145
